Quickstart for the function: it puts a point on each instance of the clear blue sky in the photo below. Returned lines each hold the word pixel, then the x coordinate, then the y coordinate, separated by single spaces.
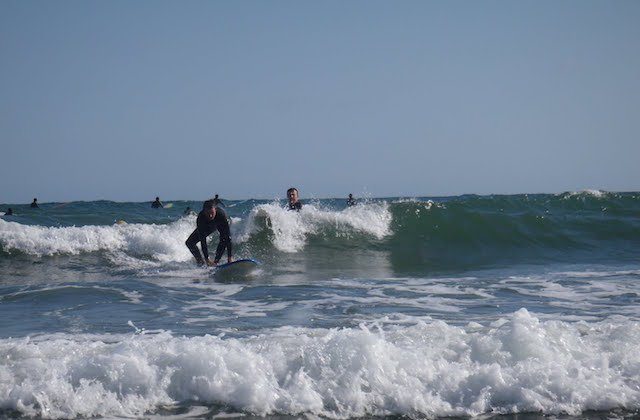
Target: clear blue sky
pixel 126 100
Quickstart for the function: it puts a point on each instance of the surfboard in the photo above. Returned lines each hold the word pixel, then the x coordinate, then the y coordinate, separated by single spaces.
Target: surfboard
pixel 238 268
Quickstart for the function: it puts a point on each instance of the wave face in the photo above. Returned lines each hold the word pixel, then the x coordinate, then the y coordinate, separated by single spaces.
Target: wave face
pixel 455 233
pixel 516 364
pixel 466 232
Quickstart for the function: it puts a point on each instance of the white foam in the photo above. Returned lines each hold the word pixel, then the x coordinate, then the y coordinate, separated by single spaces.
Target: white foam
pixel 605 273
pixel 406 200
pixel 235 309
pixel 428 205
pixel 591 291
pixel 160 242
pixel 291 228
pixel 425 368
pixel 596 193
pixel 592 192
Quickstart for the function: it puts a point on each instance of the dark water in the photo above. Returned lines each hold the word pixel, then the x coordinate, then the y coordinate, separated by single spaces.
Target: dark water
pixel 522 305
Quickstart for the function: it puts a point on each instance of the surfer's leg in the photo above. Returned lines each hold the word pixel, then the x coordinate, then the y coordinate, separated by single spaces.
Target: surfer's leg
pixel 191 242
pixel 225 242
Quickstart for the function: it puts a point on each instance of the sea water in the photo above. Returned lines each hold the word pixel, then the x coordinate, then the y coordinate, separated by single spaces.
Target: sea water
pixel 418 307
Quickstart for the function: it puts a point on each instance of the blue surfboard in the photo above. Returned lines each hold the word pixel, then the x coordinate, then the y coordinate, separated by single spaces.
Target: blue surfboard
pixel 238 268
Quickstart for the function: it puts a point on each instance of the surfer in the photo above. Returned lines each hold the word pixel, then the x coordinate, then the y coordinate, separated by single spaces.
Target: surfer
pixel 209 220
pixel 9 212
pixel 188 211
pixel 34 205
pixel 292 196
pixel 217 201
pixel 351 201
pixel 157 204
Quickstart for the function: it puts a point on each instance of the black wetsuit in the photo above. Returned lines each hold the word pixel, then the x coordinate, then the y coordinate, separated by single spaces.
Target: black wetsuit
pixel 157 204
pixel 217 202
pixel 34 205
pixel 295 206
pixel 204 228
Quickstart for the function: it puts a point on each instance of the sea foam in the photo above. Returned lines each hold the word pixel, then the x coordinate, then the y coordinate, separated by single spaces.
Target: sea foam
pixel 160 242
pixel 428 368
pixel 291 229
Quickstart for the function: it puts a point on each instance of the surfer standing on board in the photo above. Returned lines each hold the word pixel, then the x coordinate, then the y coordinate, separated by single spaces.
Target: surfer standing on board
pixel 209 220
pixel 292 196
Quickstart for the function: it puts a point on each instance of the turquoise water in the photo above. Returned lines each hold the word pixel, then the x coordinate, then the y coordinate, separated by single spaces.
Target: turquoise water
pixel 433 306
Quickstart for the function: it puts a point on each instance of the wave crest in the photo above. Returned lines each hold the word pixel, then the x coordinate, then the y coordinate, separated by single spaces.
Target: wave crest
pixel 146 240
pixel 289 231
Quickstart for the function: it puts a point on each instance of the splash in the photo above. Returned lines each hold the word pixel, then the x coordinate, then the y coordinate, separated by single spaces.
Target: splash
pixel 291 229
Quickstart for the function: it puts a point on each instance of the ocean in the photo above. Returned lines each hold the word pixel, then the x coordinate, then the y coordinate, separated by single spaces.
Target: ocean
pixel 507 306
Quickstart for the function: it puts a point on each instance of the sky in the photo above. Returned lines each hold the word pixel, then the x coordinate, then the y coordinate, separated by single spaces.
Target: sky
pixel 128 100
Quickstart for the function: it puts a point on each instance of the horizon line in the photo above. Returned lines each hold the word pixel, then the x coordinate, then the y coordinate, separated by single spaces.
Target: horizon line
pixel 368 197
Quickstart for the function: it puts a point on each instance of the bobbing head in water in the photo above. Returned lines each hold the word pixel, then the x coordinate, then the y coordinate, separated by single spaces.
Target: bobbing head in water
pixel 292 195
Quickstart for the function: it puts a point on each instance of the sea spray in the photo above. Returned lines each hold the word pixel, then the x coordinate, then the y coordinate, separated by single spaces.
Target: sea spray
pixel 291 229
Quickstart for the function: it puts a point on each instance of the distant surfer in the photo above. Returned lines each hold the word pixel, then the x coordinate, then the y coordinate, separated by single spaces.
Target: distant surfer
pixel 157 204
pixel 9 212
pixel 209 220
pixel 351 201
pixel 188 211
pixel 294 201
pixel 217 201
pixel 35 205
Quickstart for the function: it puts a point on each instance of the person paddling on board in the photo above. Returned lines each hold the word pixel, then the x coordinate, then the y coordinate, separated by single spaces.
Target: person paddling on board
pixel 157 204
pixel 209 220
pixel 217 201
pixel 294 201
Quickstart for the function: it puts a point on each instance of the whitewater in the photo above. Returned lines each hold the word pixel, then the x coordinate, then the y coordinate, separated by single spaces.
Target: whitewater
pixel 424 307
